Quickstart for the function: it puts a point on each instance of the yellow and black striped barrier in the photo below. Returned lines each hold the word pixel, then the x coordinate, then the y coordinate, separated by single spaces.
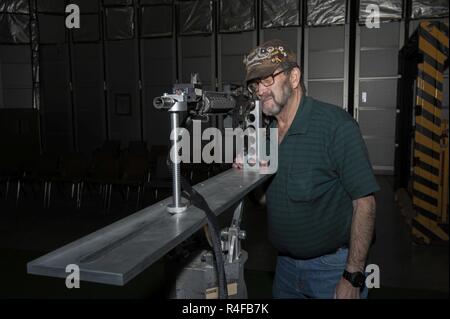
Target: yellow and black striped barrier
pixel 430 179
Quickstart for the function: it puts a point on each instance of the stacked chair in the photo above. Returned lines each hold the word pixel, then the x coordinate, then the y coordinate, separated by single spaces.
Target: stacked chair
pixel 128 171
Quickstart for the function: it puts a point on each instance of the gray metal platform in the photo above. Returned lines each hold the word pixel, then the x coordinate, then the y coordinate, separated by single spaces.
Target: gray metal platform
pixel 117 253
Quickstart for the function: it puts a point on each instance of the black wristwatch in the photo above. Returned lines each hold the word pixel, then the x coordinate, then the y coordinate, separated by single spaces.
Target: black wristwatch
pixel 357 279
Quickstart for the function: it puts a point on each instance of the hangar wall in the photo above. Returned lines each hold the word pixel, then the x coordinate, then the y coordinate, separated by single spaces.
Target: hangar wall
pixel 98 82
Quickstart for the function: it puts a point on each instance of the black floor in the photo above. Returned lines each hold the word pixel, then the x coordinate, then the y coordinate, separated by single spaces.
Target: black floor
pixel 30 231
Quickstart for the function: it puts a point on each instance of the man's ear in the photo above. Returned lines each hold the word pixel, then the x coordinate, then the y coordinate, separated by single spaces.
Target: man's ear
pixel 295 77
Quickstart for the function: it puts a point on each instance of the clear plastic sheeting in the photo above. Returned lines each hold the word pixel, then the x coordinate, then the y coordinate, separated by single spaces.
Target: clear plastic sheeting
pixel 429 9
pixel 389 9
pixel 35 56
pixel 152 2
pixel 51 6
pixel 86 6
pixel 282 13
pixel 14 28
pixel 326 12
pixel 89 29
pixel 117 2
pixel 195 17
pixel 120 23
pixel 14 6
pixel 151 23
pixel 237 15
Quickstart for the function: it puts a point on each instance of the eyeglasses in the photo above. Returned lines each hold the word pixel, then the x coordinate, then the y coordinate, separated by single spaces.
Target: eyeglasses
pixel 253 86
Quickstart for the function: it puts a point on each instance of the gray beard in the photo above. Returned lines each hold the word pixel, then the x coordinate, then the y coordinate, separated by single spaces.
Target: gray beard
pixel 279 105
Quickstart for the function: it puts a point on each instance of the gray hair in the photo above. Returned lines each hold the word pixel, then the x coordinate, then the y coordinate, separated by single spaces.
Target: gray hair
pixel 289 66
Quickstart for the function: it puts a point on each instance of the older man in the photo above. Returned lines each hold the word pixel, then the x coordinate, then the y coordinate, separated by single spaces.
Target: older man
pixel 320 203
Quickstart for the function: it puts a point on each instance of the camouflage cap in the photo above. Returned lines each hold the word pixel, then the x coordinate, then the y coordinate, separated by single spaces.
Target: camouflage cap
pixel 266 58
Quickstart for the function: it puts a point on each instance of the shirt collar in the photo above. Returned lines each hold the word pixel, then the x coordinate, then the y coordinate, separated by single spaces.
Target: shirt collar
pixel 302 117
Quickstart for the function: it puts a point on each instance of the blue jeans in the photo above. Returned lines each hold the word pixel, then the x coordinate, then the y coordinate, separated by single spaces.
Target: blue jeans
pixel 312 278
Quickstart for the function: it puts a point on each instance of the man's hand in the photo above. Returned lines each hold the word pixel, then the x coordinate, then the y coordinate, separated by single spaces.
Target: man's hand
pixel 345 290
pixel 239 162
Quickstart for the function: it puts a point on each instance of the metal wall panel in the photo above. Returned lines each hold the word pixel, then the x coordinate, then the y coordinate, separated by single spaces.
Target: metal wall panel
pixel 379 50
pixel 231 51
pixel 89 101
pixel 386 36
pixel 378 93
pixel 326 63
pixel 197 56
pixel 375 97
pixel 1 84
pixel 51 6
pixel 158 74
pixel 16 85
pixel 326 91
pixel 16 75
pixel 89 30
pixel 122 80
pixel 15 54
pixel 156 21
pixel 51 29
pixel 379 63
pixel 326 38
pixel 17 98
pixel 87 6
pixel 381 153
pixel 55 98
pixel 377 123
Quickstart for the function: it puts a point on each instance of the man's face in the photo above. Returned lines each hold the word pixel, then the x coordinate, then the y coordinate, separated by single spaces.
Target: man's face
pixel 275 97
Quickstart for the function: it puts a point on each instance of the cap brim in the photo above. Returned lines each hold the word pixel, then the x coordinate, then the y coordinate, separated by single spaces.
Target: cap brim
pixel 260 72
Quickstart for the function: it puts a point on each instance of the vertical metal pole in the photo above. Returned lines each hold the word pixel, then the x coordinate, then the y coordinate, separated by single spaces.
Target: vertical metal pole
pixel 176 206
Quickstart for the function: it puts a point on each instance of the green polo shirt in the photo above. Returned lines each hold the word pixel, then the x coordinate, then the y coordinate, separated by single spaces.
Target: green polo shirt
pixel 323 165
